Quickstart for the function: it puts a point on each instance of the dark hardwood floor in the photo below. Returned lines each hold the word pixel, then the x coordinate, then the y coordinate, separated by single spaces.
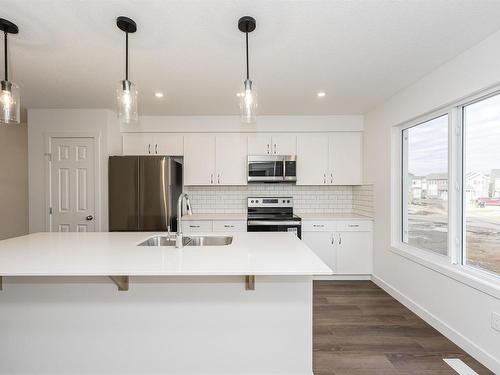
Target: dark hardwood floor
pixel 359 329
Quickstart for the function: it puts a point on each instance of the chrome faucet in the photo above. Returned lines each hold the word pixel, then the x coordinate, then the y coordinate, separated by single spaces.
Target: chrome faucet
pixel 180 201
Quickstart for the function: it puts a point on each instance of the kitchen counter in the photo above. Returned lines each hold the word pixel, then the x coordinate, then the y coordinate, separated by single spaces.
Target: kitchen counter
pixel 319 216
pixel 117 253
pixel 303 216
pixel 182 304
pixel 214 216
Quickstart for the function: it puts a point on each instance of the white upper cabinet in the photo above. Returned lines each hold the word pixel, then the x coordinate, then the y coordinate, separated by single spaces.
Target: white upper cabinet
pixel 215 159
pixel 199 159
pixel 169 144
pixel 346 158
pixel 259 144
pixel 152 144
pixel 137 144
pixel 231 159
pixel 284 144
pixel 312 159
pixel 330 159
pixel 276 144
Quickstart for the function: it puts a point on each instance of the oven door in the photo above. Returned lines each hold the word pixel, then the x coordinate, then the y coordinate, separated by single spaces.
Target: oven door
pixel 275 226
pixel 265 169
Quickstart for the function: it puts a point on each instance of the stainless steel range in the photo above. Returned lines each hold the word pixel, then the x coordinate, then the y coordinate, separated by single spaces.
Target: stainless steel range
pixel 272 214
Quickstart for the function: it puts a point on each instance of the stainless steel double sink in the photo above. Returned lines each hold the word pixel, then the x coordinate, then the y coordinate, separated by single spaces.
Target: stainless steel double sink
pixel 167 240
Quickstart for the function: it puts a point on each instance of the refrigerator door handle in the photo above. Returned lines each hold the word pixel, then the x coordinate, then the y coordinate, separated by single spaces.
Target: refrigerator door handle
pixel 164 192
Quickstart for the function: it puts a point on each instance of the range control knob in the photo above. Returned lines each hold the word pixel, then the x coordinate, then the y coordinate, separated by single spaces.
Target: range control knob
pixel 288 201
pixel 257 201
pixel 251 201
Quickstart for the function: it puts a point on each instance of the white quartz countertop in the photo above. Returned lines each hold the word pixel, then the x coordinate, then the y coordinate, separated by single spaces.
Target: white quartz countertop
pixel 117 253
pixel 214 217
pixel 312 216
pixel 317 216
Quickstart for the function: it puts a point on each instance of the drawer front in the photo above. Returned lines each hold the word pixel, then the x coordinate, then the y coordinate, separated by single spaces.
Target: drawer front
pixel 354 226
pixel 197 226
pixel 318 226
pixel 230 226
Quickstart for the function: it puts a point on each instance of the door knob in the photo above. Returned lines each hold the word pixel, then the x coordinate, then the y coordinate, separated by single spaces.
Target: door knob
pixel 89 218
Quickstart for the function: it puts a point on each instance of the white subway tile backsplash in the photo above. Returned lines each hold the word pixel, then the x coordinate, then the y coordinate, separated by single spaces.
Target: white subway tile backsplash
pixel 307 199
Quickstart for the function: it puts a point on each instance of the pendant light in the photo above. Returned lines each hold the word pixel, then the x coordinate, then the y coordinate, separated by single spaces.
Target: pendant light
pixel 248 93
pixel 9 95
pixel 126 91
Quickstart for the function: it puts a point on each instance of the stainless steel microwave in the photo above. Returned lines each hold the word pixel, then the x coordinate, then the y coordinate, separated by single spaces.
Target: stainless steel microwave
pixel 272 168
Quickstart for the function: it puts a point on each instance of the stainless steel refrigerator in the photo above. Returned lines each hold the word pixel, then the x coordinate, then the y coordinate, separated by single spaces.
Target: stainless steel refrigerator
pixel 143 192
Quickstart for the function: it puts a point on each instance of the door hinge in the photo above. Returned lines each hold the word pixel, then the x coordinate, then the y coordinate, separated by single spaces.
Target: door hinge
pixel 50 210
pixel 49 155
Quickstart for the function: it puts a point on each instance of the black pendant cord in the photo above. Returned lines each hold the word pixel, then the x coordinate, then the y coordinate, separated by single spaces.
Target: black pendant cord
pixel 126 56
pixel 248 65
pixel 5 55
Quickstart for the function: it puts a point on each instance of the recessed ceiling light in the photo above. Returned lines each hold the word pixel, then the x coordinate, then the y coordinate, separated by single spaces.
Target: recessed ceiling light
pixel 321 94
pixel 159 94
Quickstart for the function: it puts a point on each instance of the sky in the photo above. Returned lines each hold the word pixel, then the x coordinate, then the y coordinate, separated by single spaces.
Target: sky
pixel 428 142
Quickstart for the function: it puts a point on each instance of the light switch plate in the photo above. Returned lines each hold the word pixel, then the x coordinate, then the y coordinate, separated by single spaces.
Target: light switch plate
pixel 495 321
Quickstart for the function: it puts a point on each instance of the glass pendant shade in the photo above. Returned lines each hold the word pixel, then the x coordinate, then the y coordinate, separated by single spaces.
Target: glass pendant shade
pixel 126 96
pixel 248 102
pixel 10 105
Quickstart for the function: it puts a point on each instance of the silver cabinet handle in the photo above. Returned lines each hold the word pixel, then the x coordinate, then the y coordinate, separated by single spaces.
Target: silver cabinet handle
pixel 332 238
pixel 353 225
pixel 218 178
pixel 149 148
pixel 324 178
pixel 211 178
pixel 156 148
pixel 228 226
pixel 331 178
pixel 194 226
pixel 275 148
pixel 340 239
pixel 318 225
pixel 89 218
pixel 268 149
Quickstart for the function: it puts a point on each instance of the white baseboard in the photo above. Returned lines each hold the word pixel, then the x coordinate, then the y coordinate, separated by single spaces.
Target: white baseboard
pixel 343 277
pixel 463 342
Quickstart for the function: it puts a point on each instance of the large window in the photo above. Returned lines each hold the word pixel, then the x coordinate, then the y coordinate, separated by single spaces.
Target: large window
pixel 481 184
pixel 449 201
pixel 425 185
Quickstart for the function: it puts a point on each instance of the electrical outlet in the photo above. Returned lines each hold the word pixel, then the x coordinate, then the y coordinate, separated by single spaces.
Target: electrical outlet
pixel 495 321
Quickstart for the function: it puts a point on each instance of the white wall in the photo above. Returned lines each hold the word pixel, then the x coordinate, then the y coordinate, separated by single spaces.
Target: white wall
pixel 43 122
pixel 13 180
pixel 460 311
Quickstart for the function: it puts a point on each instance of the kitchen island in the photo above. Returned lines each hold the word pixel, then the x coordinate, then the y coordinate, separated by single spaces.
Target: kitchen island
pixel 186 311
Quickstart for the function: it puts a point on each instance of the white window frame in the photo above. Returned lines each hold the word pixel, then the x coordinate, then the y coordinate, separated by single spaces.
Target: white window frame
pixel 453 265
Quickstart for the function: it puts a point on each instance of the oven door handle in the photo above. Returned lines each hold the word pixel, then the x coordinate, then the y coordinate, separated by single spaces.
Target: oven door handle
pixel 270 222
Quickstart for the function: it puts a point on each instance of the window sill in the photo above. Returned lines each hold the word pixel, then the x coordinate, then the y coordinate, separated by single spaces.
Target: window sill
pixel 481 281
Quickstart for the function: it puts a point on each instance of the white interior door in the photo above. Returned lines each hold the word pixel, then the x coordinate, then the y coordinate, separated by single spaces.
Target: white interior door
pixel 72 189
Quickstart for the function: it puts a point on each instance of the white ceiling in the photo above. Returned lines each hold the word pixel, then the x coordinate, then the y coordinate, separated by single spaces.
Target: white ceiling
pixel 70 54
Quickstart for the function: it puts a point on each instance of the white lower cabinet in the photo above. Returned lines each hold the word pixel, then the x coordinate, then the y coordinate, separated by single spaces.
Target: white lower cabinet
pixel 228 226
pixel 345 246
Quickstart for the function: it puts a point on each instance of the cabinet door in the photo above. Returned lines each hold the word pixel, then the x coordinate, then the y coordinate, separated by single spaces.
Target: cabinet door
pixel 346 159
pixel 194 226
pixel 259 144
pixel 230 226
pixel 137 144
pixel 322 245
pixel 168 144
pixel 231 159
pixel 284 144
pixel 312 159
pixel 354 252
pixel 199 159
